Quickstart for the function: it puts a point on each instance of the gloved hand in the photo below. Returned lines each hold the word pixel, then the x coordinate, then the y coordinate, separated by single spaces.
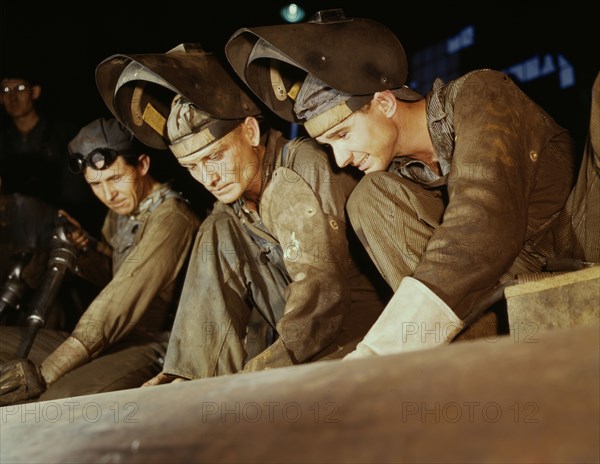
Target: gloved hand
pixel 275 356
pixel 414 319
pixel 20 380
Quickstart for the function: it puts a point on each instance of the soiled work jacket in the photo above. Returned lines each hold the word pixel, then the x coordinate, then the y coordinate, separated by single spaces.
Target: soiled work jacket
pixel 508 169
pixel 148 250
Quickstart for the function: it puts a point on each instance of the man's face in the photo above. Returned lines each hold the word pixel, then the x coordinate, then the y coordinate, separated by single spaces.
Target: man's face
pixel 229 168
pixel 365 140
pixel 17 96
pixel 119 186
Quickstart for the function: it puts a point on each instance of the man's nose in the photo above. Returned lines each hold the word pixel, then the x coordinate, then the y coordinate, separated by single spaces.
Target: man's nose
pixel 109 191
pixel 211 175
pixel 342 158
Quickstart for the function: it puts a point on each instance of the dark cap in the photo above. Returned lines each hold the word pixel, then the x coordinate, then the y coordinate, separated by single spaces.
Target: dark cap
pixel 138 89
pixel 102 133
pixel 352 56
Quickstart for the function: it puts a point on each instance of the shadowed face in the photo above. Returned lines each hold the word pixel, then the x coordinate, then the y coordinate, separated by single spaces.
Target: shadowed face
pixel 120 186
pixel 18 96
pixel 230 167
pixel 365 140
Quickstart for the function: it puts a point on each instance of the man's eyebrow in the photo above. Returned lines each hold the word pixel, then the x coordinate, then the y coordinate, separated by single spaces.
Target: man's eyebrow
pixel 199 158
pixel 111 177
pixel 217 151
pixel 334 133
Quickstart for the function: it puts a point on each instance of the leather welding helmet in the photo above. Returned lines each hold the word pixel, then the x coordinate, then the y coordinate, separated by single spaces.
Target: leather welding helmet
pixel 139 88
pixel 352 55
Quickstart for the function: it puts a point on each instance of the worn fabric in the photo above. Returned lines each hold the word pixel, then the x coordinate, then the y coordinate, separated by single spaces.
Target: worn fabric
pixel 225 279
pixel 191 129
pixel 322 107
pixel 127 364
pixel 131 316
pixel 147 259
pixel 583 206
pixel 316 97
pixel 124 365
pixel 507 170
pixel 108 133
pixel 402 206
pixel 290 264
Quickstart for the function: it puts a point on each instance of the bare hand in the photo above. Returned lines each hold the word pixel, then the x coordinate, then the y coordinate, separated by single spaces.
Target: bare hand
pixel 163 378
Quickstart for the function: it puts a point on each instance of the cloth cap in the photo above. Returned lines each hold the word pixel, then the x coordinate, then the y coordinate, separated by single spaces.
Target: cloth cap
pixel 190 129
pixel 139 89
pixel 354 56
pixel 320 107
pixel 102 133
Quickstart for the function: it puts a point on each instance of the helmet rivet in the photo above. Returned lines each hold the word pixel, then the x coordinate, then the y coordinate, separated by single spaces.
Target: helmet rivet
pixel 323 58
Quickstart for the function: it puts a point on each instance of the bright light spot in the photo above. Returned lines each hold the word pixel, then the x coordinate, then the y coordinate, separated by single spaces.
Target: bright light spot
pixel 292 13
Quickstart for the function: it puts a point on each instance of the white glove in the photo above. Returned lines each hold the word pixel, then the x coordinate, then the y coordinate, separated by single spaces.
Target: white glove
pixel 414 319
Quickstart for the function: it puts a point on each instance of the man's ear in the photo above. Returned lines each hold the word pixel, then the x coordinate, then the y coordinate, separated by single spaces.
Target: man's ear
pixel 252 129
pixel 143 164
pixel 387 101
pixel 36 91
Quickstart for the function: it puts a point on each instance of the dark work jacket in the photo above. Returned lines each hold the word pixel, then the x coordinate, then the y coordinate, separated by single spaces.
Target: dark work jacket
pixel 508 168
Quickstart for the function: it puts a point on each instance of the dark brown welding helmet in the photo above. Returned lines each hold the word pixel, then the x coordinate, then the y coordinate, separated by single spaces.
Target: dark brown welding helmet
pixel 138 89
pixel 355 57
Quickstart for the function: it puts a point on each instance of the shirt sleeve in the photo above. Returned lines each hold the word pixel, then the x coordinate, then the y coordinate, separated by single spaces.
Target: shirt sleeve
pixel 153 264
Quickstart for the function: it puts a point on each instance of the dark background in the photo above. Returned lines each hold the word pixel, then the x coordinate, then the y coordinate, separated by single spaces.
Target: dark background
pixel 62 44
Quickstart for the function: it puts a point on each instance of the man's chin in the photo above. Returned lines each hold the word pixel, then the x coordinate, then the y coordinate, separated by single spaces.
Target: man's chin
pixel 373 169
pixel 123 210
pixel 228 198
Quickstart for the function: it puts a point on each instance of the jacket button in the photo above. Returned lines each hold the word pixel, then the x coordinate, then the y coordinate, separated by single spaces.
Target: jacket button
pixel 533 155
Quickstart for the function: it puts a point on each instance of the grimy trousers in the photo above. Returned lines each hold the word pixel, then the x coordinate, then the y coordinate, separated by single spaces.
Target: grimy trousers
pixel 127 364
pixel 229 288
